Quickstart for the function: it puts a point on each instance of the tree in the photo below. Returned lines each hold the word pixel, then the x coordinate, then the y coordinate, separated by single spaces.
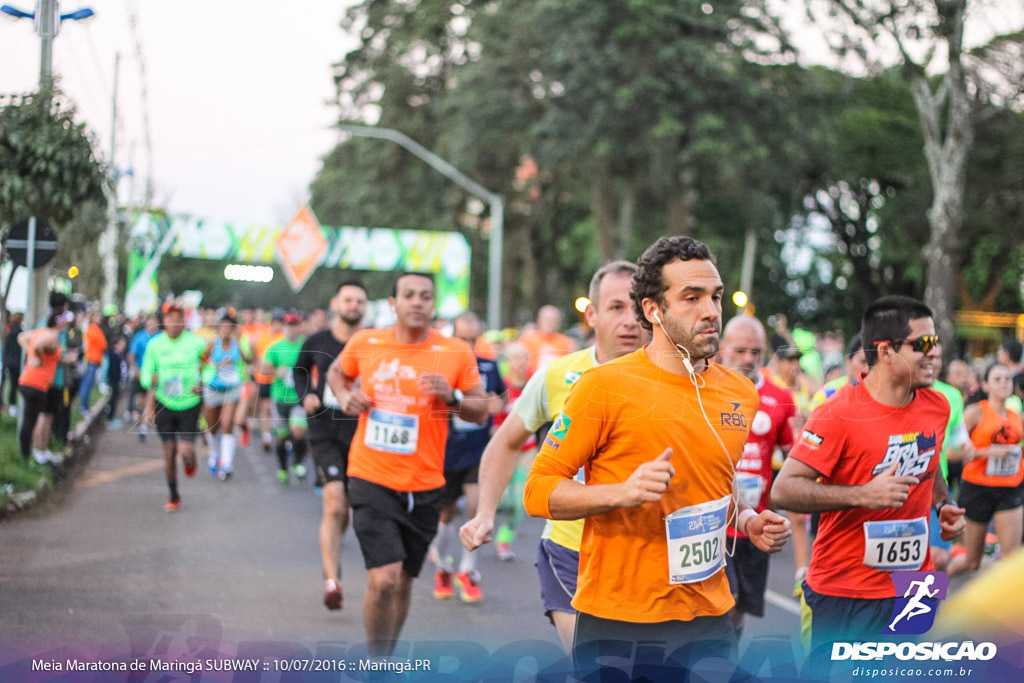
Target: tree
pixel 48 166
pixel 628 111
pixel 924 34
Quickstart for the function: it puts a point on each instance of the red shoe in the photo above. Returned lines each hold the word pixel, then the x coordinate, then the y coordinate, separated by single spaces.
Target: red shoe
pixel 332 594
pixel 443 585
pixel 172 505
pixel 190 466
pixel 246 437
pixel 469 587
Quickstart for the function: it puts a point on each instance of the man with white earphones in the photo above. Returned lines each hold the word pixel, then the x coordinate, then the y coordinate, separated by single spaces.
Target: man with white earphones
pixel 658 432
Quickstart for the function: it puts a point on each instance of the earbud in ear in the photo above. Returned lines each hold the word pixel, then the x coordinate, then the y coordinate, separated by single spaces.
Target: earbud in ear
pixel 657 318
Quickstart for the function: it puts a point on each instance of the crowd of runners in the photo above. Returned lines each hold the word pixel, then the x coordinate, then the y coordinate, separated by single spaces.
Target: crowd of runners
pixel 671 451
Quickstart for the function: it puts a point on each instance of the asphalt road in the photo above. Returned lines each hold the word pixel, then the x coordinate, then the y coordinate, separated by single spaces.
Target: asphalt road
pixel 110 573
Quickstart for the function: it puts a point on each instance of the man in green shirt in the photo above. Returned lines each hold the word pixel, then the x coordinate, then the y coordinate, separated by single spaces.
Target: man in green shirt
pixel 290 425
pixel 170 374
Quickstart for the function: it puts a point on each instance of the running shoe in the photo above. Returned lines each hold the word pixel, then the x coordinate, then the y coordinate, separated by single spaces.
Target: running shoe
pixel 282 478
pixel 468 585
pixel 172 505
pixel 300 471
pixel 224 475
pixel 332 594
pixel 443 589
pixel 504 552
pixel 992 545
pixel 142 432
pixel 212 465
pixel 266 443
pixel 190 466
pixel 246 436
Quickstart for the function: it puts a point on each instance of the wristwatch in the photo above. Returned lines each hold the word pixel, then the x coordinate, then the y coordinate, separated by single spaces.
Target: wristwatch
pixel 942 504
pixel 456 401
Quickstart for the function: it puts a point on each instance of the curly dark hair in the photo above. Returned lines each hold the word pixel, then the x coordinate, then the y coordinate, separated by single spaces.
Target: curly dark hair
pixel 649 280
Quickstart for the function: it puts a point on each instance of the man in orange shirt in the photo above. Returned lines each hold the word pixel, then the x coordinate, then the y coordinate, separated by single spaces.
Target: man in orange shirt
pixel 659 433
pixel 546 343
pixel 95 349
pixel 412 379
pixel 269 336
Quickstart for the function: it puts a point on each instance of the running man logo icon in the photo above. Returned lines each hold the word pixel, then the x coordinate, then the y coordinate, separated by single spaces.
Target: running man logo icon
pixel 914 613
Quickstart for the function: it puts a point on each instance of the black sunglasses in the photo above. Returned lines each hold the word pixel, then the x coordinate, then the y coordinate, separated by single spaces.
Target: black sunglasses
pixel 922 344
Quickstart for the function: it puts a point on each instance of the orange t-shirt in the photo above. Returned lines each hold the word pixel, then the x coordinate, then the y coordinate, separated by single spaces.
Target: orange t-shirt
pixel 485 349
pixel 544 348
pixel 994 429
pixel 265 341
pixel 619 415
pixel 401 438
pixel 95 344
pixel 39 371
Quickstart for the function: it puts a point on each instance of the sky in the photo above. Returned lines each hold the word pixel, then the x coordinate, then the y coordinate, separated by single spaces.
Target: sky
pixel 238 96
pixel 238 93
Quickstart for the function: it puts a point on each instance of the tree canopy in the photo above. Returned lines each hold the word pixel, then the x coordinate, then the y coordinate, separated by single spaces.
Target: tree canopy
pixel 608 124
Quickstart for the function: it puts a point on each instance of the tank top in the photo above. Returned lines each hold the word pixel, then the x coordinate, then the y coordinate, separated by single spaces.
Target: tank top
pixel 996 430
pixel 39 370
pixel 227 377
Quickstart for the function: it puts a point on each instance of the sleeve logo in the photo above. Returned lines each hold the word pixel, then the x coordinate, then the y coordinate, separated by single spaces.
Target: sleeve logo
pixel 560 427
pixel 811 439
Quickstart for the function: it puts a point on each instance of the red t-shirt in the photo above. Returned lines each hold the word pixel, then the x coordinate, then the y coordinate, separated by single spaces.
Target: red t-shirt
pixel 401 438
pixel 769 429
pixel 850 439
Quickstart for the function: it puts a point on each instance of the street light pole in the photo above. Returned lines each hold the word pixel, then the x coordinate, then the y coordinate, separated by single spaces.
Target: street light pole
pixel 35 307
pixel 46 20
pixel 108 242
pixel 497 206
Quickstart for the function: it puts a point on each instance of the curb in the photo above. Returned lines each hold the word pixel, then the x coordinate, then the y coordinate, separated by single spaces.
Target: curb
pixel 80 449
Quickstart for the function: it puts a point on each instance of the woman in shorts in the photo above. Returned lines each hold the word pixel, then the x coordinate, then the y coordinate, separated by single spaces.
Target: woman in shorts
pixel 222 389
pixel 992 475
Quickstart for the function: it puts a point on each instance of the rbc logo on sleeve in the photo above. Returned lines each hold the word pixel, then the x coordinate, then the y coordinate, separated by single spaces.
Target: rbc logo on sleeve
pixel 917 601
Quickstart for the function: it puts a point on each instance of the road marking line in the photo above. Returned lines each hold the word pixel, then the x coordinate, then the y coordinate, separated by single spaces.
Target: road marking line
pixel 120 473
pixel 779 600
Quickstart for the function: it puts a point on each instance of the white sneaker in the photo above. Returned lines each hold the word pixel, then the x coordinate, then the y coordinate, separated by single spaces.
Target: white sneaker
pixel 47 458
pixel 13 411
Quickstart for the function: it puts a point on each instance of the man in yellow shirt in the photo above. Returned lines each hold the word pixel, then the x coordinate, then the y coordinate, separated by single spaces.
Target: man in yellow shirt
pixel 616 331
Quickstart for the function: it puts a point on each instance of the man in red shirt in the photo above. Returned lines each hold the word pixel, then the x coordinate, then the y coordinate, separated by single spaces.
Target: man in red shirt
pixel 743 347
pixel 868 461
pixel 412 380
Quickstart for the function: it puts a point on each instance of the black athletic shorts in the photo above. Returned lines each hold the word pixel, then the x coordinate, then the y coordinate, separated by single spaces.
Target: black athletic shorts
pixel 455 480
pixel 668 650
pixel 177 425
pixel 393 526
pixel 747 571
pixel 981 503
pixel 331 460
pixel 847 619
pixel 263 391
